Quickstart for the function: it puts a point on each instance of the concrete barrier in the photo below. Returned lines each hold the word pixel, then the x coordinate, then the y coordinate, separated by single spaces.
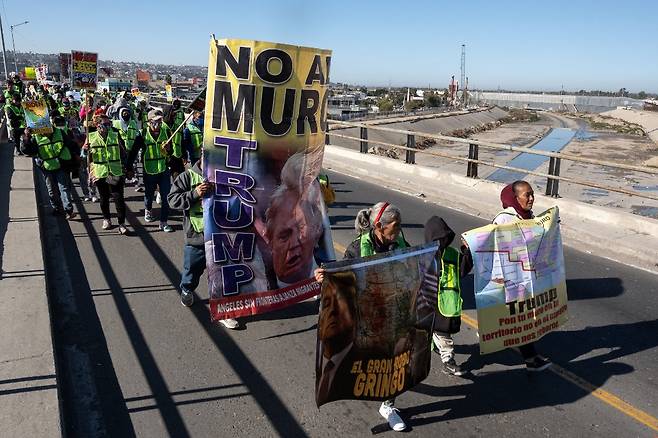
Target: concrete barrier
pixel 606 232
pixel 30 404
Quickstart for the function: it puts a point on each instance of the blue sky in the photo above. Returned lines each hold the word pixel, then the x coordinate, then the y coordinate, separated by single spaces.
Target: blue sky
pixel 512 44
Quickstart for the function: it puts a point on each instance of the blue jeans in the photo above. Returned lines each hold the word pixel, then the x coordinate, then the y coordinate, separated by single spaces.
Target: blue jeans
pixel 194 263
pixel 163 181
pixel 63 182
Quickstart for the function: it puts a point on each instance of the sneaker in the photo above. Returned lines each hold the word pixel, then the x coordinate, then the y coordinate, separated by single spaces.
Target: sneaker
pixel 148 217
pixel 139 188
pixel 122 229
pixel 186 298
pixel 107 224
pixel 94 199
pixel 450 367
pixel 158 198
pixel 86 199
pixel 164 226
pixel 70 215
pixel 537 363
pixel 229 323
pixel 392 415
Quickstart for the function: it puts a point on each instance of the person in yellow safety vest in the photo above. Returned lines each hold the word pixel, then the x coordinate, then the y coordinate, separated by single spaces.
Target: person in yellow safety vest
pixel 193 137
pixel 126 127
pixel 380 230
pixel 106 159
pixel 450 265
pixel 174 118
pixel 52 155
pixel 155 150
pixel 16 120
pixel 187 194
pixel 128 130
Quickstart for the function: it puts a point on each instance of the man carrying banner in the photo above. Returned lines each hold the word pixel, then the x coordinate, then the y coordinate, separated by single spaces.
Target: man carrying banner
pixel 187 194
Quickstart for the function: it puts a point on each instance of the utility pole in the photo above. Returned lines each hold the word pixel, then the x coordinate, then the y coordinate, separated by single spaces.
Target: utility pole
pixel 463 71
pixel 4 52
pixel 13 44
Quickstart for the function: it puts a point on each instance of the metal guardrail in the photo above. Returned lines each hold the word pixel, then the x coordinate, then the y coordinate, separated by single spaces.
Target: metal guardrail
pixel 553 176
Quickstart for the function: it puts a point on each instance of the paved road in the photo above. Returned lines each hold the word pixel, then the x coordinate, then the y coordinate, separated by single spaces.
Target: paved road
pixel 135 362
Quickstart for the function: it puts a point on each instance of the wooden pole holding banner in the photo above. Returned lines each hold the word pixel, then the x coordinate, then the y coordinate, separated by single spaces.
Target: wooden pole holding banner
pixel 179 128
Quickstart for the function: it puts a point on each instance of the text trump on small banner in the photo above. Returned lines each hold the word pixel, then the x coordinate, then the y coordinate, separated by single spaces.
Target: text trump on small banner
pixel 520 284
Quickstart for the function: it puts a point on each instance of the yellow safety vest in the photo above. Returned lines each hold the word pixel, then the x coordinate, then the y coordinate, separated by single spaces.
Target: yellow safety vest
pixel 154 159
pixel 196 210
pixel 52 149
pixel 105 154
pixel 128 136
pixel 450 299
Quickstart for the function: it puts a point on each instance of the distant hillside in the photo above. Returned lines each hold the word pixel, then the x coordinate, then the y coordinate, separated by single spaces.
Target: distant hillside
pixel 120 68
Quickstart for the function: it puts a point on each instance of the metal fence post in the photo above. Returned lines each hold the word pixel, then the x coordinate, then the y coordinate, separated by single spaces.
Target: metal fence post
pixel 556 182
pixel 549 181
pixel 411 155
pixel 364 140
pixel 552 184
pixel 472 168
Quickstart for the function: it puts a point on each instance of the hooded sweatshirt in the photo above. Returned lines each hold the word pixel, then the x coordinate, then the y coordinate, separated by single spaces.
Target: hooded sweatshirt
pixel 182 197
pixel 437 230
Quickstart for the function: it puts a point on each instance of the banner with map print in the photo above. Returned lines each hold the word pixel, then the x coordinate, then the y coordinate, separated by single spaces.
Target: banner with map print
pixel 520 284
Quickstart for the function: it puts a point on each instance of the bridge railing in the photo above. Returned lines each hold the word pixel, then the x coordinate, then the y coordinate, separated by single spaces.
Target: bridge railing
pixel 473 161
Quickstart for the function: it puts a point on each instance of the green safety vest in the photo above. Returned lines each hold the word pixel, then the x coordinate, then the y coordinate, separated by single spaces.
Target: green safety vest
pixel 105 154
pixel 18 112
pixel 368 249
pixel 52 149
pixel 196 135
pixel 450 299
pixel 155 162
pixel 129 135
pixel 177 141
pixel 196 210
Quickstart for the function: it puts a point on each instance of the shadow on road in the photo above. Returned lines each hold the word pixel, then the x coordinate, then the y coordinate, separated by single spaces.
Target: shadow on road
pixel 6 172
pixel 279 416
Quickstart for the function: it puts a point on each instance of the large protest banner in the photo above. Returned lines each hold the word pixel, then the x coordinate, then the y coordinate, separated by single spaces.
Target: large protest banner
pixel 520 284
pixel 30 73
pixel 41 73
pixel 266 225
pixel 375 326
pixel 37 117
pixel 84 69
pixel 64 67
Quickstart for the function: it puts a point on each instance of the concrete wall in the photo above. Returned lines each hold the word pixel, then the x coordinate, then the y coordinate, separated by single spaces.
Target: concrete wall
pixel 554 101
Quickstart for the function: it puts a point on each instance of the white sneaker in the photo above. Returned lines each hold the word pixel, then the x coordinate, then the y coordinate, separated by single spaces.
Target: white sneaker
pixel 392 415
pixel 158 198
pixel 107 224
pixel 94 199
pixel 229 323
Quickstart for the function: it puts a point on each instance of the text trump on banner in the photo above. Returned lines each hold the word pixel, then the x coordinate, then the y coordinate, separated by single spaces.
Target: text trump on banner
pixel 266 226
